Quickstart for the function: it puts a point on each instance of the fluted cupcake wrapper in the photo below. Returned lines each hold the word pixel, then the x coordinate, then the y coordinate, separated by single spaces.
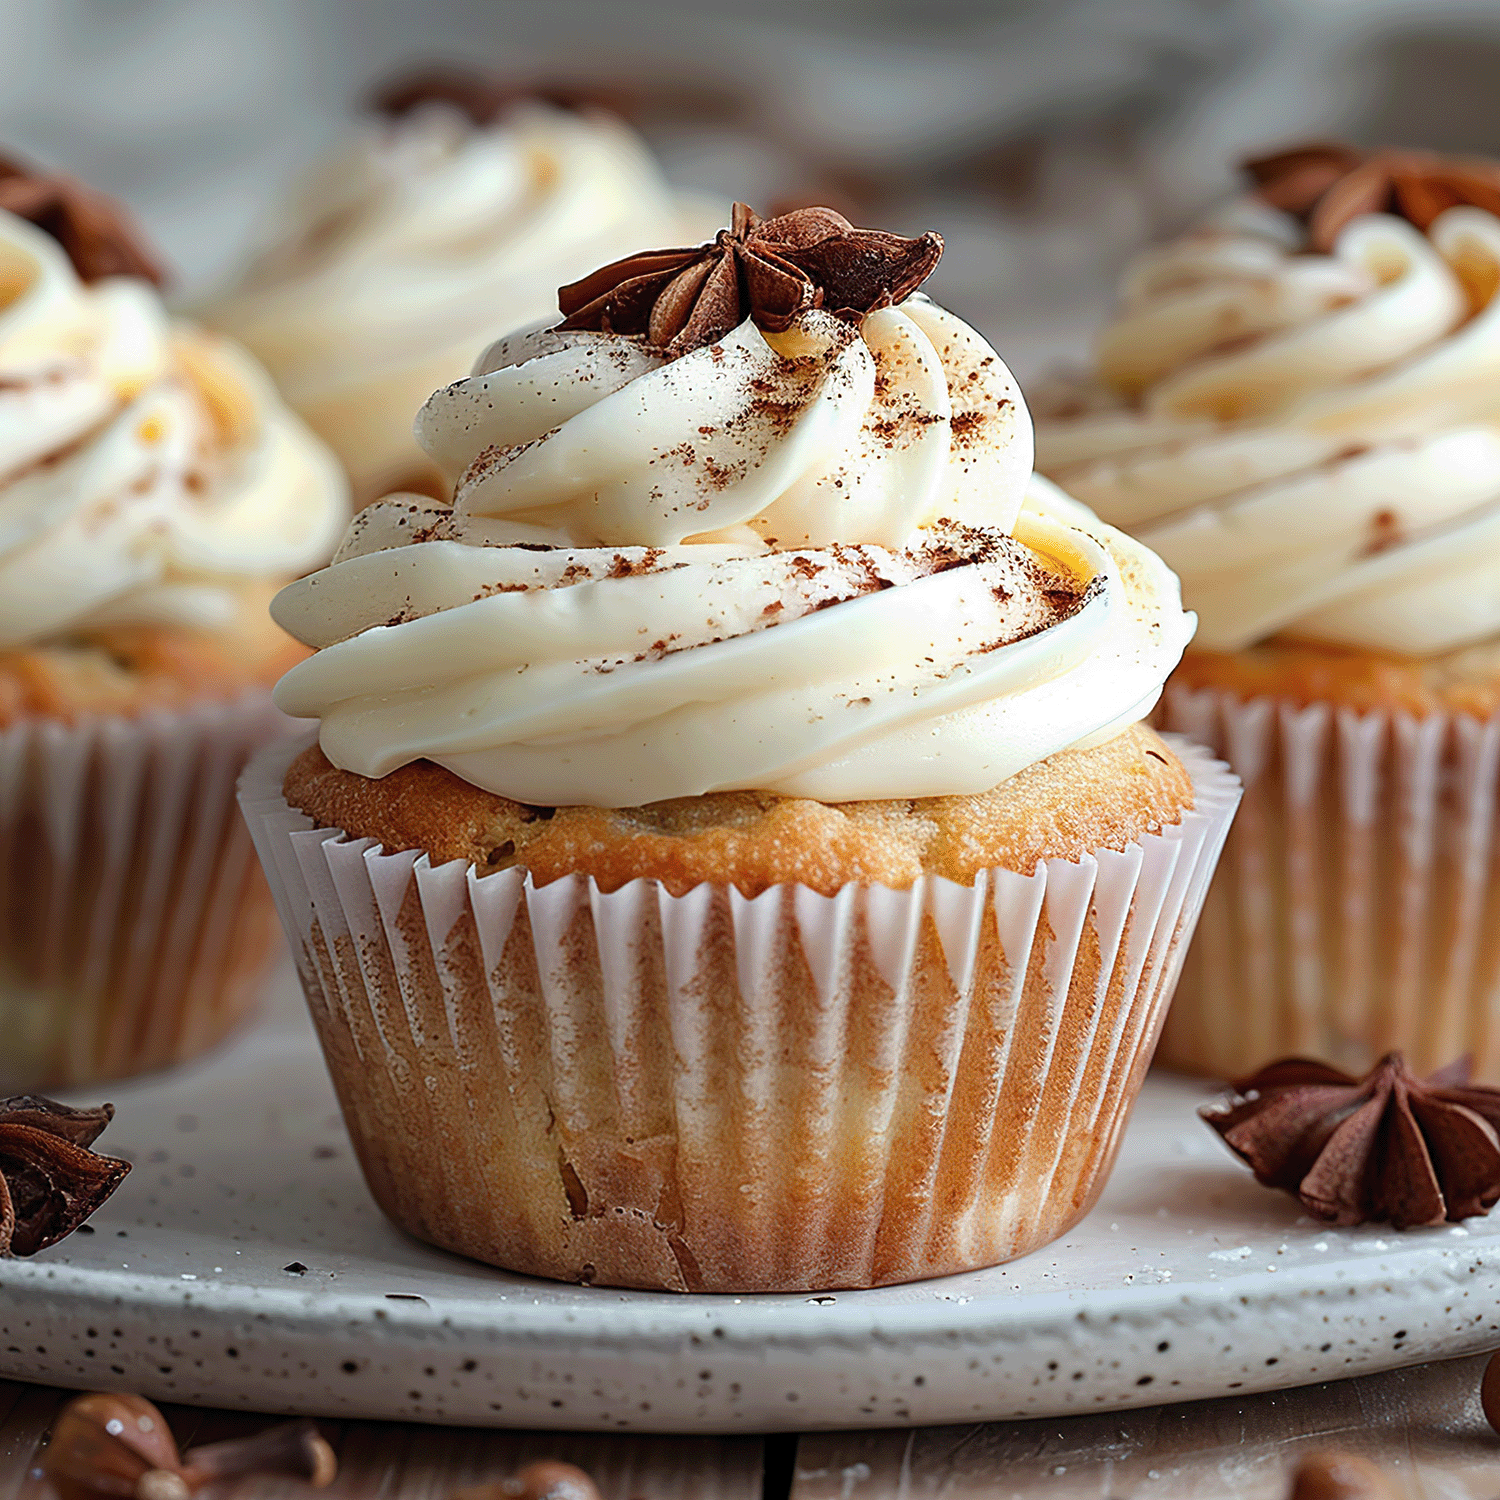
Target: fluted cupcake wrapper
pixel 1357 907
pixel 714 1092
pixel 135 927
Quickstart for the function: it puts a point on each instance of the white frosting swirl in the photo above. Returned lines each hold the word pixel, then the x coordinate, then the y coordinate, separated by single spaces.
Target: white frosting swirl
pixel 400 257
pixel 1310 441
pixel 145 470
pixel 779 562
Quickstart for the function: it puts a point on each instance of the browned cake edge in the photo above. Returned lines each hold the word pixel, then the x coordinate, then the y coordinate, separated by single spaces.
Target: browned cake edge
pixel 122 671
pixel 1061 808
pixel 1305 672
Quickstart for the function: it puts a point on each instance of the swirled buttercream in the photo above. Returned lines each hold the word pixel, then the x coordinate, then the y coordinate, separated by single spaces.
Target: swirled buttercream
pixel 805 562
pixel 1310 441
pixel 400 257
pixel 146 469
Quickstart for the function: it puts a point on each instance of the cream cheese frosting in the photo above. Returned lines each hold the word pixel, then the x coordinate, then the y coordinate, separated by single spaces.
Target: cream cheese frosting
pixel 146 469
pixel 811 562
pixel 1311 441
pixel 400 257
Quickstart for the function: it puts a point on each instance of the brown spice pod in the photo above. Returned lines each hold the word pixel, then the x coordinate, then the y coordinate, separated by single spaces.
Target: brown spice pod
pixel 545 1479
pixel 1489 1392
pixel 1339 1476
pixel 107 1445
pixel 104 1444
pixel 295 1448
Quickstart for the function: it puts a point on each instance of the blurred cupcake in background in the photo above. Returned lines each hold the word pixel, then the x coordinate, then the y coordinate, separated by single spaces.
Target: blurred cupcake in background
pixel 1297 407
pixel 738 795
pixel 154 493
pixel 435 228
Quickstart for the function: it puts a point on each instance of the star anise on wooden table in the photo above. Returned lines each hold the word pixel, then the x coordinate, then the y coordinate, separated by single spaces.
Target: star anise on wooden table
pixel 766 269
pixel 1389 1147
pixel 115 1446
pixel 97 232
pixel 50 1181
pixel 546 1479
pixel 1327 184
pixel 1339 1476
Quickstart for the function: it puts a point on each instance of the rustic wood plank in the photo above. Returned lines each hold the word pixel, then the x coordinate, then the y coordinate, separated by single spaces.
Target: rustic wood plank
pixel 1423 1425
pixel 408 1462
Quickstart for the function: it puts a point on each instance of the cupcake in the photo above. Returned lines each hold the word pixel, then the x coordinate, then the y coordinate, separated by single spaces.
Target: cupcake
pixel 155 494
pixel 1295 407
pixel 731 856
pixel 447 221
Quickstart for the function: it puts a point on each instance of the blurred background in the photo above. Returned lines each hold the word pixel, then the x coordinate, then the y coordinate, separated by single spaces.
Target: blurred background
pixel 1046 138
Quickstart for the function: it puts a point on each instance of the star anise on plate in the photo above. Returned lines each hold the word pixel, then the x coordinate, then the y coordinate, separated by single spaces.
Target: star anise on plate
pixel 1389 1147
pixel 1326 185
pixel 97 232
pixel 50 1181
pixel 767 269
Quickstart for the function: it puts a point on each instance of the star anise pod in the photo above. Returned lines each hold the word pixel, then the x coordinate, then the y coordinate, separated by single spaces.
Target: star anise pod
pixel 766 269
pixel 109 1446
pixel 97 232
pixel 1330 1475
pixel 1388 1147
pixel 546 1479
pixel 50 1182
pixel 1326 185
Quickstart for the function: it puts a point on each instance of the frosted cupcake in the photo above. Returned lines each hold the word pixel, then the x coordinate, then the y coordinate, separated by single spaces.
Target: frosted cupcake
pixel 731 856
pixel 1296 408
pixel 155 494
pixel 433 229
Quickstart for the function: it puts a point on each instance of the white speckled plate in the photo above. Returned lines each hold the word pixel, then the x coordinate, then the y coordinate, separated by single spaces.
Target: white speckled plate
pixel 244 1264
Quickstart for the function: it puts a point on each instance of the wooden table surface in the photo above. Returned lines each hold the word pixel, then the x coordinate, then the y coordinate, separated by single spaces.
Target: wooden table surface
pixel 1423 1425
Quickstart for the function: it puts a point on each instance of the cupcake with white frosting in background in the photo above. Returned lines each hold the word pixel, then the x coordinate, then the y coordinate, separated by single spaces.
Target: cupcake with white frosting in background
pixel 732 857
pixel 436 227
pixel 1298 407
pixel 154 494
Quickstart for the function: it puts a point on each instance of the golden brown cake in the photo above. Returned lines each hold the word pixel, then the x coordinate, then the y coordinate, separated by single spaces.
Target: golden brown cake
pixel 156 493
pixel 1294 405
pixel 1463 681
pixel 125 670
pixel 1063 807
pixel 732 858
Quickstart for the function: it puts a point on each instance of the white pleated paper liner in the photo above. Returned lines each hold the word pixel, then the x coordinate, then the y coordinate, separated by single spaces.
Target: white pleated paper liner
pixel 135 927
pixel 713 1093
pixel 1357 907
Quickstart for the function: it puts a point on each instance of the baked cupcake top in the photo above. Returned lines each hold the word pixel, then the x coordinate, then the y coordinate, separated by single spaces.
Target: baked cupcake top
pixel 1296 403
pixel 148 470
pixel 755 516
pixel 399 257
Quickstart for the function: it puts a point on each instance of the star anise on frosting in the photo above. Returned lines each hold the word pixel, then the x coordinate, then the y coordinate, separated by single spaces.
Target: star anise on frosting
pixel 50 1181
pixel 767 269
pixel 1389 1147
pixel 97 232
pixel 1326 185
